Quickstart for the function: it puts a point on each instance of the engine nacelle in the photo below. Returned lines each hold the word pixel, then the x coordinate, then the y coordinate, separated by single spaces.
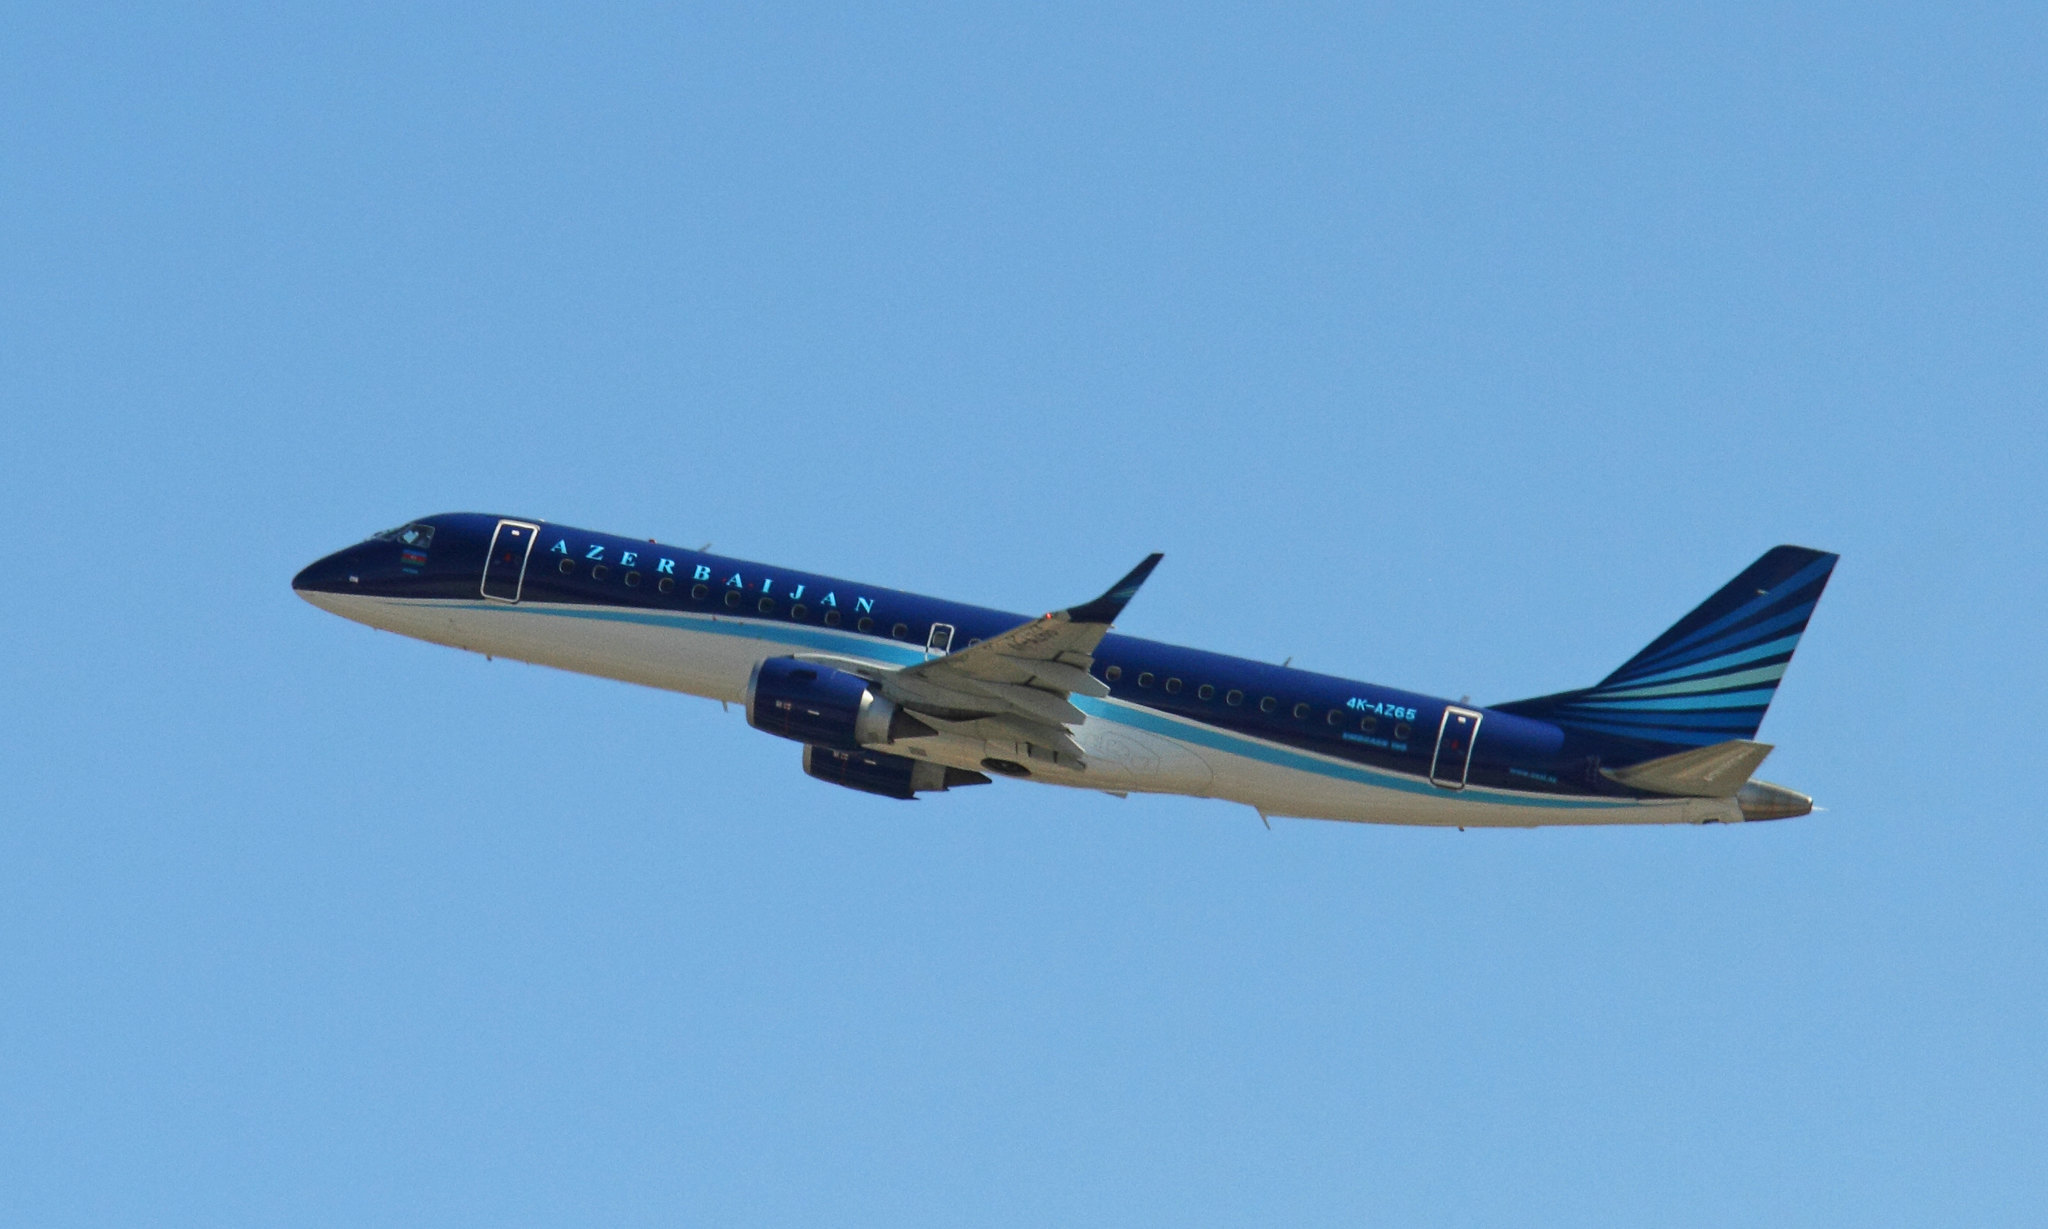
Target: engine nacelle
pixel 824 707
pixel 878 772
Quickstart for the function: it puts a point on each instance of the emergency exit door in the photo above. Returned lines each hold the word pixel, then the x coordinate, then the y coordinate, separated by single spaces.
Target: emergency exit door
pixel 1454 739
pixel 505 566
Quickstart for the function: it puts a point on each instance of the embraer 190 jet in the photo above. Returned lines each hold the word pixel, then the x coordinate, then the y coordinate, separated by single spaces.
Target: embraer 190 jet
pixel 897 694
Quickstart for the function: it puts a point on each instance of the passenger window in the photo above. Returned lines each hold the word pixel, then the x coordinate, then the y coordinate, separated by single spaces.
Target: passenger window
pixel 1145 678
pixel 1113 673
pixel 865 625
pixel 1268 704
pixel 1336 716
pixel 1401 731
pixel 1233 697
pixel 1368 723
pixel 566 565
pixel 1173 687
pixel 632 580
pixel 733 598
pixel 1301 710
pixel 598 571
pixel 667 584
pixel 767 605
pixel 700 592
pixel 1206 691
pixel 900 630
pixel 831 618
pixel 799 610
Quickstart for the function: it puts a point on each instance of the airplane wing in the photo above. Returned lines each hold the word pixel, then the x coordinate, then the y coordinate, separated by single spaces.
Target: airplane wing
pixel 1016 686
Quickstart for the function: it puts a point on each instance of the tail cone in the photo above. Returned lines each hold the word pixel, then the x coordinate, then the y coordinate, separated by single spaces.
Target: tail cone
pixel 1762 800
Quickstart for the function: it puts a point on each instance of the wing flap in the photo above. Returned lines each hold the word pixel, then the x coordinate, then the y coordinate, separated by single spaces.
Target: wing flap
pixel 1053 675
pixel 1027 672
pixel 1013 688
pixel 953 694
pixel 1025 733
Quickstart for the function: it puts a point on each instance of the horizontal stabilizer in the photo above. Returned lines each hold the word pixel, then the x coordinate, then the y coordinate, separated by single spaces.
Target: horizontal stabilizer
pixel 1719 771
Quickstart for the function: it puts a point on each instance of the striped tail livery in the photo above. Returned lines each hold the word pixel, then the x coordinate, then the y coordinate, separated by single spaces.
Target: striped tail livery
pixel 1709 679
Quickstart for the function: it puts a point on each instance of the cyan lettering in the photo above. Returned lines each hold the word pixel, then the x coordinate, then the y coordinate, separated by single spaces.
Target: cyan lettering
pixel 626 560
pixel 735 581
pixel 828 600
pixel 702 573
pixel 862 605
pixel 595 552
pixel 667 566
pixel 799 593
pixel 561 547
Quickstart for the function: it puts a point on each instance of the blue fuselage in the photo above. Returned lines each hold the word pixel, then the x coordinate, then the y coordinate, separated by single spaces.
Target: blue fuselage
pixel 1213 705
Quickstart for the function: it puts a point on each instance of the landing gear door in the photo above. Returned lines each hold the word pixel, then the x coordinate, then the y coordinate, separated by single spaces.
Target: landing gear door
pixel 505 566
pixel 1454 739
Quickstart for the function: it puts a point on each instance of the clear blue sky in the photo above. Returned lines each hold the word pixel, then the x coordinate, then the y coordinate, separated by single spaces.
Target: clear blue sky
pixel 1462 350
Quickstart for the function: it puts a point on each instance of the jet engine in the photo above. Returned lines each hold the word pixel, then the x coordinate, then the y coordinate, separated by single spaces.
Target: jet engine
pixel 878 772
pixel 824 707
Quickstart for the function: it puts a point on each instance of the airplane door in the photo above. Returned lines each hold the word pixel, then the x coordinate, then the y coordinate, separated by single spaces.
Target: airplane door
pixel 1454 738
pixel 505 566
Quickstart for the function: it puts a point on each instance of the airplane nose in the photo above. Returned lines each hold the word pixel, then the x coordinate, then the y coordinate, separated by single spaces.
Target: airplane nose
pixel 339 572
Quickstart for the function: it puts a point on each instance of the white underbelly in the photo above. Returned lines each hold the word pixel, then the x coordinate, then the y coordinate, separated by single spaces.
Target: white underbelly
pixel 1127 748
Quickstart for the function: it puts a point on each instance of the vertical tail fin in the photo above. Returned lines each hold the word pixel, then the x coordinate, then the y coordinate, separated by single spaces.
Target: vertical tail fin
pixel 1711 677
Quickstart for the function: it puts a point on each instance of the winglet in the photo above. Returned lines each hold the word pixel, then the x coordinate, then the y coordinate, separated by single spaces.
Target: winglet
pixel 1106 608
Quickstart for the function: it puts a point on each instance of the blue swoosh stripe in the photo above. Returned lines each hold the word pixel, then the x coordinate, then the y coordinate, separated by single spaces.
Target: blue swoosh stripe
pixel 1727 699
pixel 1779 593
pixel 1729 638
pixel 1726 661
pixel 1742 637
pixel 1140 718
pixel 1709 719
pixel 1301 761
pixel 1699 686
pixel 1691 738
pixel 851 643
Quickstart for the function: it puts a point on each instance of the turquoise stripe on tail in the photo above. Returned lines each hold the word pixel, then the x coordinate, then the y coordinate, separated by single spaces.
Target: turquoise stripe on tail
pixel 1712 676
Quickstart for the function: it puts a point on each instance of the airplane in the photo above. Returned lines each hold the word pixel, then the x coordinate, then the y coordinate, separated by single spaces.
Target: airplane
pixel 898 694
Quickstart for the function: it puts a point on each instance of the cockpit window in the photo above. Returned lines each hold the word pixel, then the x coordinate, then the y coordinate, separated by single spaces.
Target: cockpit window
pixel 414 535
